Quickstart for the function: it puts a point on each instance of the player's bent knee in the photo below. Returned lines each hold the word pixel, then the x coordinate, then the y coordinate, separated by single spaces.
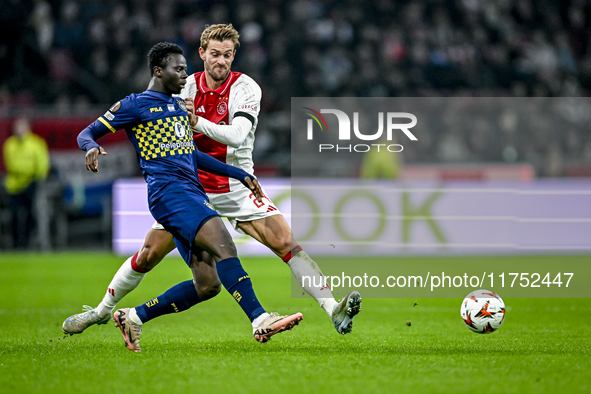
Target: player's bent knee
pixel 154 257
pixel 226 250
pixel 149 257
pixel 208 290
pixel 142 258
pixel 232 250
pixel 282 245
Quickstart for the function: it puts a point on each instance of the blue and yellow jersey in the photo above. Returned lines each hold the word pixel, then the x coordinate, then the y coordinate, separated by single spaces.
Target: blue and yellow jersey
pixel 158 126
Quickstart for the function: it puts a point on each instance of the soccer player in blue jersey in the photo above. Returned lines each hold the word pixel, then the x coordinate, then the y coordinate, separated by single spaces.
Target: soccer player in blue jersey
pixel 159 126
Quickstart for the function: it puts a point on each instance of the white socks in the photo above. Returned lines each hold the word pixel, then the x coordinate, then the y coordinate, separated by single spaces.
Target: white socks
pixel 257 322
pixel 124 281
pixel 135 319
pixel 309 276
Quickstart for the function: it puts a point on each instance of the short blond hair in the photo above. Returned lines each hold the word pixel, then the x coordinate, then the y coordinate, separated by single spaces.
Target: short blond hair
pixel 220 32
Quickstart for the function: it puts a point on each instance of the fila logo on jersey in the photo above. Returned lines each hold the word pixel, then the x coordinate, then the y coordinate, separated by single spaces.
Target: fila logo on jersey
pixel 200 109
pixel 179 130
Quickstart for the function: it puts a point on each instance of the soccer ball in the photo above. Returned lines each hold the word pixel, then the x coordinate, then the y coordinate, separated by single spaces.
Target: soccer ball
pixel 483 311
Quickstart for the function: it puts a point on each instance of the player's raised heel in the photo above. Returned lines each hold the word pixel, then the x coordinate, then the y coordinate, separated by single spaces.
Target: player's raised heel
pixel 345 311
pixel 131 331
pixel 76 324
pixel 275 324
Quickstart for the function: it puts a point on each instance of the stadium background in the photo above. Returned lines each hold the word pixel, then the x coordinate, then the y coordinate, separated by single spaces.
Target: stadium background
pixel 64 62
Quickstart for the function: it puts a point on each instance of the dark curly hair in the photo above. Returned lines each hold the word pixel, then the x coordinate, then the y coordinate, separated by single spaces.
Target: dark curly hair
pixel 159 55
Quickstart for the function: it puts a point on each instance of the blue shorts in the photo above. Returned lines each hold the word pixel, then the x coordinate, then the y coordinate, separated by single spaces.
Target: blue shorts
pixel 183 213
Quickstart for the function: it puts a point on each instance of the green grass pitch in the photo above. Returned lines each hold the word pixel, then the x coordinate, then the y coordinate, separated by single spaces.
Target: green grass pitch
pixel 544 346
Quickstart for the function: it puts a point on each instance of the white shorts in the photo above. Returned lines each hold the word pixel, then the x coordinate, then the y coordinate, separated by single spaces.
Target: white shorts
pixel 238 206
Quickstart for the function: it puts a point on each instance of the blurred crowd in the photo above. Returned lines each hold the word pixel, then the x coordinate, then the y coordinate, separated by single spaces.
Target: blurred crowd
pixel 71 55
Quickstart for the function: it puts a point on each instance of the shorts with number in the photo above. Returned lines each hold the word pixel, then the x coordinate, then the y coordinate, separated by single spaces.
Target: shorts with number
pixel 239 206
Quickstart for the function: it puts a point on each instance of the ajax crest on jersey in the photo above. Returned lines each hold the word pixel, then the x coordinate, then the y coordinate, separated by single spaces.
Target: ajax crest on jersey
pixel 483 311
pixel 222 107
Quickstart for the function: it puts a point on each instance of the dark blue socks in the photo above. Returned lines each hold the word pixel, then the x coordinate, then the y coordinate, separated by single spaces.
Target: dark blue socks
pixel 238 284
pixel 176 299
pixel 183 296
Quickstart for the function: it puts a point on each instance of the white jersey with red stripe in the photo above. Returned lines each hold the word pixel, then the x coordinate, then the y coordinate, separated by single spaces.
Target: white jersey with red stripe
pixel 239 95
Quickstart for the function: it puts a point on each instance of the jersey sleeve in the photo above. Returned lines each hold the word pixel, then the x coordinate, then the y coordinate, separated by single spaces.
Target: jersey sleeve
pixel 244 107
pixel 127 113
pixel 245 99
pixel 121 114
pixel 232 135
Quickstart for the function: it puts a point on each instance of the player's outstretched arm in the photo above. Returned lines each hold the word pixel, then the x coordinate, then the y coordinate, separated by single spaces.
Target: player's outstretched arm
pixel 87 142
pixel 213 165
pixel 127 114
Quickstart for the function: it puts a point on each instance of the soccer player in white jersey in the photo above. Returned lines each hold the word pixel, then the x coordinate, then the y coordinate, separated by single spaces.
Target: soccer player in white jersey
pixel 228 104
